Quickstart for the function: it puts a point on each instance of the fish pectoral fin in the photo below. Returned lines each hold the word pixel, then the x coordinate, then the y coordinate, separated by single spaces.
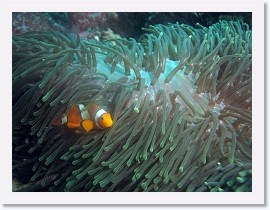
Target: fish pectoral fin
pixel 87 125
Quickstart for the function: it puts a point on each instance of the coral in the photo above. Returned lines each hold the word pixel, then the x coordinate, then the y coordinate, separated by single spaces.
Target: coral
pixel 92 20
pixel 180 99
pixel 103 24
pixel 35 21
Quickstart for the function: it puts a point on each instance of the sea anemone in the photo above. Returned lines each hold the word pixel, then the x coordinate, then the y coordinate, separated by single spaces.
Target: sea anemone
pixel 180 100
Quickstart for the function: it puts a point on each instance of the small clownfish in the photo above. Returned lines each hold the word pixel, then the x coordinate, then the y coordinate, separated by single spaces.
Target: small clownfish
pixel 86 120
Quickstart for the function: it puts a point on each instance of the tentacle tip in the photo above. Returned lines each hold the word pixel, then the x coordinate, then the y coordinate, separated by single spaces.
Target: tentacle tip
pixel 136 109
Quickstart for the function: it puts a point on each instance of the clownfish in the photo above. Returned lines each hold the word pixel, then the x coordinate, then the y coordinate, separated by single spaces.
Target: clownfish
pixel 86 120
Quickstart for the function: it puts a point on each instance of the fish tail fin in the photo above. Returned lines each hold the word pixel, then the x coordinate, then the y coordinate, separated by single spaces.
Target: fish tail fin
pixel 57 122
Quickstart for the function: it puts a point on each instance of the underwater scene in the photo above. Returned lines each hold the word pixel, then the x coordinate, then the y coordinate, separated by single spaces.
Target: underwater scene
pixel 131 102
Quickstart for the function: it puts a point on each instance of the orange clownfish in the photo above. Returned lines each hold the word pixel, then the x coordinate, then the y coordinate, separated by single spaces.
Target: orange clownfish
pixel 86 120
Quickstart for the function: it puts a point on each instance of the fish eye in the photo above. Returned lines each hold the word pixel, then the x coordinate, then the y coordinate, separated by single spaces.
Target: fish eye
pixel 101 118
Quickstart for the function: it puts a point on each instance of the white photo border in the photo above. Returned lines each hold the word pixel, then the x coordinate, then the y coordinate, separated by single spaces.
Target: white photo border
pixel 257 196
